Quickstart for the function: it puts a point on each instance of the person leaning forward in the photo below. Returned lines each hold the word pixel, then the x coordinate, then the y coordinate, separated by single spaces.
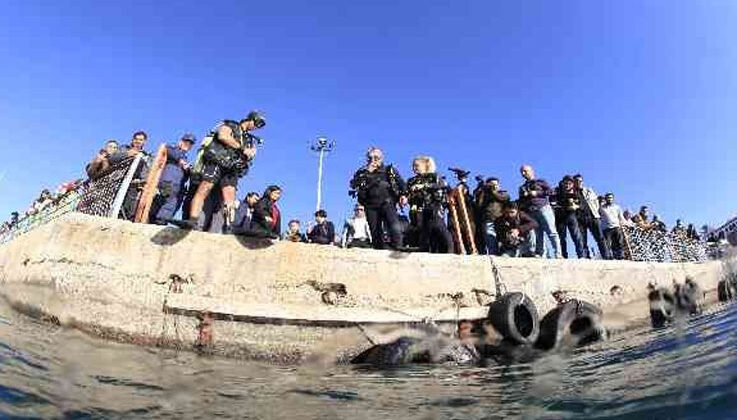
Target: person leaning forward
pixel 379 188
pixel 225 159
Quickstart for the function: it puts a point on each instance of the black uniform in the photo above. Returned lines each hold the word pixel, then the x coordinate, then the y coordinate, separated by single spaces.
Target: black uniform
pixel 427 200
pixel 378 192
pixel 224 164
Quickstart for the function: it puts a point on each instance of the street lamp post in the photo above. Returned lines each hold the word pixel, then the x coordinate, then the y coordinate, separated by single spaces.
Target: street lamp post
pixel 321 145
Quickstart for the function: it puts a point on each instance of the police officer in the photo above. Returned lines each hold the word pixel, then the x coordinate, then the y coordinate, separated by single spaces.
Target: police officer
pixel 173 180
pixel 379 188
pixel 427 194
pixel 225 158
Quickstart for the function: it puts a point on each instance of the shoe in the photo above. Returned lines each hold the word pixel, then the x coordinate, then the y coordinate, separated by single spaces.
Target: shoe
pixel 189 224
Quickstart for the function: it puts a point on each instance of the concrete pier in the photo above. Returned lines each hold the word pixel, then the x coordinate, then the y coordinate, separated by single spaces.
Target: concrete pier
pixel 283 301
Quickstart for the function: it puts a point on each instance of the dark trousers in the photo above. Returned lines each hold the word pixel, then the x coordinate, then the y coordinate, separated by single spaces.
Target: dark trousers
pixel 591 224
pixel 434 235
pixel 167 202
pixel 568 221
pixel 384 215
pixel 615 241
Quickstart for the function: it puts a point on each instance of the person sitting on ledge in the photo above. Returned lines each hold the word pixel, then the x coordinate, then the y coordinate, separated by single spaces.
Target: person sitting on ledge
pixel 323 231
pixel 356 232
pixel 266 214
pixel 244 214
pixel 516 232
pixel 294 232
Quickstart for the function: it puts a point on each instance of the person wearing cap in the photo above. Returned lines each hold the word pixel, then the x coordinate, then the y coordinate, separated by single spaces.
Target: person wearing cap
pixel 225 159
pixel 172 184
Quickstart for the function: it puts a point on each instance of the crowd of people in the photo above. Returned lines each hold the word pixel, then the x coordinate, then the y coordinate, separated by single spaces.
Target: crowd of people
pixel 204 190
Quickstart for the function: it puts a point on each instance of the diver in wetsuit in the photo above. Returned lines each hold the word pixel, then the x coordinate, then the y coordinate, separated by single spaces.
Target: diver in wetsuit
pixel 427 194
pixel 379 189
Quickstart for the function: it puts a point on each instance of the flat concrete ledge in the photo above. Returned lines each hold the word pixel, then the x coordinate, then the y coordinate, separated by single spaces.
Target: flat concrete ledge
pixel 112 275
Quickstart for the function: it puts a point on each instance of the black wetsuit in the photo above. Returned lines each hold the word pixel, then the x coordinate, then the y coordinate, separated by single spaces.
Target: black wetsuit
pixel 427 199
pixel 378 192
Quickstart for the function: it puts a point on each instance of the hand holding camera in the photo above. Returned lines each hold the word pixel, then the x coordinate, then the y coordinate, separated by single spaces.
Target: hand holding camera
pixel 249 152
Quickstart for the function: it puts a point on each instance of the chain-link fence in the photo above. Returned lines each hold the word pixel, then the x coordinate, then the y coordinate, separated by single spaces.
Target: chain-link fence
pixel 658 246
pixel 58 207
pixel 102 196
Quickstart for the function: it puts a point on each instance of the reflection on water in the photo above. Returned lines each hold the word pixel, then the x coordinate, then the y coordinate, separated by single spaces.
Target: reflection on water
pixel 688 371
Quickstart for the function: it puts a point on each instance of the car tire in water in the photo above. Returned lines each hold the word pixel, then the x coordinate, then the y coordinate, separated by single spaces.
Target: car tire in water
pixel 662 307
pixel 515 317
pixel 574 323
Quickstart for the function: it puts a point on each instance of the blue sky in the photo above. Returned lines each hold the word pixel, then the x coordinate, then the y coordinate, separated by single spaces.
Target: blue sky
pixel 637 96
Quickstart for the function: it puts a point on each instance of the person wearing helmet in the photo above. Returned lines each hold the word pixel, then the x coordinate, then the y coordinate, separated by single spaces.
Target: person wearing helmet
pixel 173 179
pixel 225 159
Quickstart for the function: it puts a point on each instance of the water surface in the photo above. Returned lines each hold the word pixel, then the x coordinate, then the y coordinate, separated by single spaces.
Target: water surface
pixel 679 372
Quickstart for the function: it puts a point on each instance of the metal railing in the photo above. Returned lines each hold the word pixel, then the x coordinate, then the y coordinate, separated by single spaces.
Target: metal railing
pixel 102 196
pixel 657 246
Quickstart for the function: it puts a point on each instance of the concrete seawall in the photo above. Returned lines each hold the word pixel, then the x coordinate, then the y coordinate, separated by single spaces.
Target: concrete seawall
pixel 112 278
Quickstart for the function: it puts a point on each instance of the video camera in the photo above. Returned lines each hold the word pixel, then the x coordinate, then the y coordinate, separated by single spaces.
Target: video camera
pixel 251 140
pixel 461 174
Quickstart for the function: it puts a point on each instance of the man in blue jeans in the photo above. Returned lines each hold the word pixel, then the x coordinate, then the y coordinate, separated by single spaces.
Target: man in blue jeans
pixel 533 198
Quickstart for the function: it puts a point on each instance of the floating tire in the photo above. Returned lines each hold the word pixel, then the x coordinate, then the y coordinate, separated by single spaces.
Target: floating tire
pixel 515 317
pixel 662 307
pixel 574 323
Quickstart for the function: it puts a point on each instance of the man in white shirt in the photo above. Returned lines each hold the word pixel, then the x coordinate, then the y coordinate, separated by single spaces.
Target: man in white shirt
pixel 612 220
pixel 356 231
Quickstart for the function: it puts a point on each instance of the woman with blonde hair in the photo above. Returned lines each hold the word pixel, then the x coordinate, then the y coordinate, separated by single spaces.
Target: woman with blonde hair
pixel 427 200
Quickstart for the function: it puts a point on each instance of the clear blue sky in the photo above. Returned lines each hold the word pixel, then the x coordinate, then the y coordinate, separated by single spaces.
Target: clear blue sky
pixel 638 96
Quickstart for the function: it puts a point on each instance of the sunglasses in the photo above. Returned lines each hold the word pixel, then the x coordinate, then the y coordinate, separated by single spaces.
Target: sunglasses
pixel 374 157
pixel 259 123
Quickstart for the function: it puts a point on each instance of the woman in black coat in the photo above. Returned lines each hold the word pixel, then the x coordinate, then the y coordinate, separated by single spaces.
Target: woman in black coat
pixel 266 214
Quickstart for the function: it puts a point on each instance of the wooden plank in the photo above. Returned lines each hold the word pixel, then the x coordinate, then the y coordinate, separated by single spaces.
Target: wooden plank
pixel 152 185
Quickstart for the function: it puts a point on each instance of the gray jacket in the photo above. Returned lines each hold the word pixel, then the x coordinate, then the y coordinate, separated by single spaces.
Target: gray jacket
pixel 590 201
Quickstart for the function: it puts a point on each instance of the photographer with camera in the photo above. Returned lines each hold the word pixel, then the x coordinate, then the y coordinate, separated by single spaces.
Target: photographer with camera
pixel 427 197
pixel 101 162
pixel 516 232
pixel 533 199
pixel 566 216
pixel 222 160
pixel 379 188
pixel 490 200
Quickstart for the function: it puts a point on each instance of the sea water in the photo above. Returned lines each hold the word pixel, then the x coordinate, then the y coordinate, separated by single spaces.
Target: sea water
pixel 684 371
